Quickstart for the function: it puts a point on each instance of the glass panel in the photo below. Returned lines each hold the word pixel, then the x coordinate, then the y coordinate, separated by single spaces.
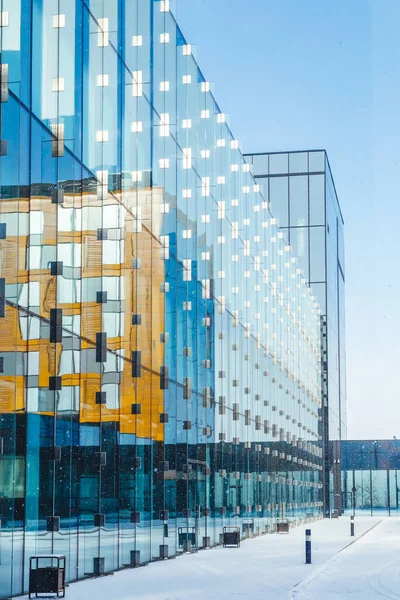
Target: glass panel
pixel 298 200
pixel 279 199
pixel 260 162
pixel 394 492
pixel 299 243
pixel 319 291
pixel 316 161
pixel 380 490
pixel 298 162
pixel 278 163
pixel 317 199
pixel 317 253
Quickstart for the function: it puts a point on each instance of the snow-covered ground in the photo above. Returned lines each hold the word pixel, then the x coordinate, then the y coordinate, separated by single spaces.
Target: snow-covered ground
pixel 368 569
pixel 271 566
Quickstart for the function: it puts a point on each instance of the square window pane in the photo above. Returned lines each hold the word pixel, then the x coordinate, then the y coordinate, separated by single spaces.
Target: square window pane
pixel 278 163
pixel 298 162
pixel 260 163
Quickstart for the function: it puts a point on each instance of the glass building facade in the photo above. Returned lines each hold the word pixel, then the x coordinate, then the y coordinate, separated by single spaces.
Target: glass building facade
pixel 160 350
pixel 302 196
pixel 370 471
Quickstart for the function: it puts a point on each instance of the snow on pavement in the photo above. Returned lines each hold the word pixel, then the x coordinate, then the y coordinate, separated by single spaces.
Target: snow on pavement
pixel 264 567
pixel 368 569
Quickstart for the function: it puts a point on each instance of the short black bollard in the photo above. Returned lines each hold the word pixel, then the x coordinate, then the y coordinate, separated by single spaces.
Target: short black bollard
pixel 352 526
pixel 308 546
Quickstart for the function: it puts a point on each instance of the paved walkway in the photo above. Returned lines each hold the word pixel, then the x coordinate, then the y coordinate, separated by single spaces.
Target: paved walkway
pixel 266 567
pixel 370 568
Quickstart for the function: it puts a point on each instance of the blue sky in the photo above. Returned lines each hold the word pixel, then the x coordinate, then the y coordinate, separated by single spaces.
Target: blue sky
pixel 317 74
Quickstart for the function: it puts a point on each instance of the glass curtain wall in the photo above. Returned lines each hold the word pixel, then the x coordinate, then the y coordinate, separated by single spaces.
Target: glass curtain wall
pixel 159 348
pixel 302 196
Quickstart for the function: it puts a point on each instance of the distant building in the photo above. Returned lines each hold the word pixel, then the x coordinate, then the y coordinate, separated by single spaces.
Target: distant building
pixel 370 471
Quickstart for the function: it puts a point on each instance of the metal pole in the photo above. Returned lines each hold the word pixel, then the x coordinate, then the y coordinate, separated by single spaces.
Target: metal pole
pixel 308 546
pixel 352 526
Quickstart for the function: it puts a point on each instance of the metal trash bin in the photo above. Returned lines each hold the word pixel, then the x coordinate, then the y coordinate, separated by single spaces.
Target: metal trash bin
pixel 186 537
pixel 231 536
pixel 282 527
pixel 47 575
